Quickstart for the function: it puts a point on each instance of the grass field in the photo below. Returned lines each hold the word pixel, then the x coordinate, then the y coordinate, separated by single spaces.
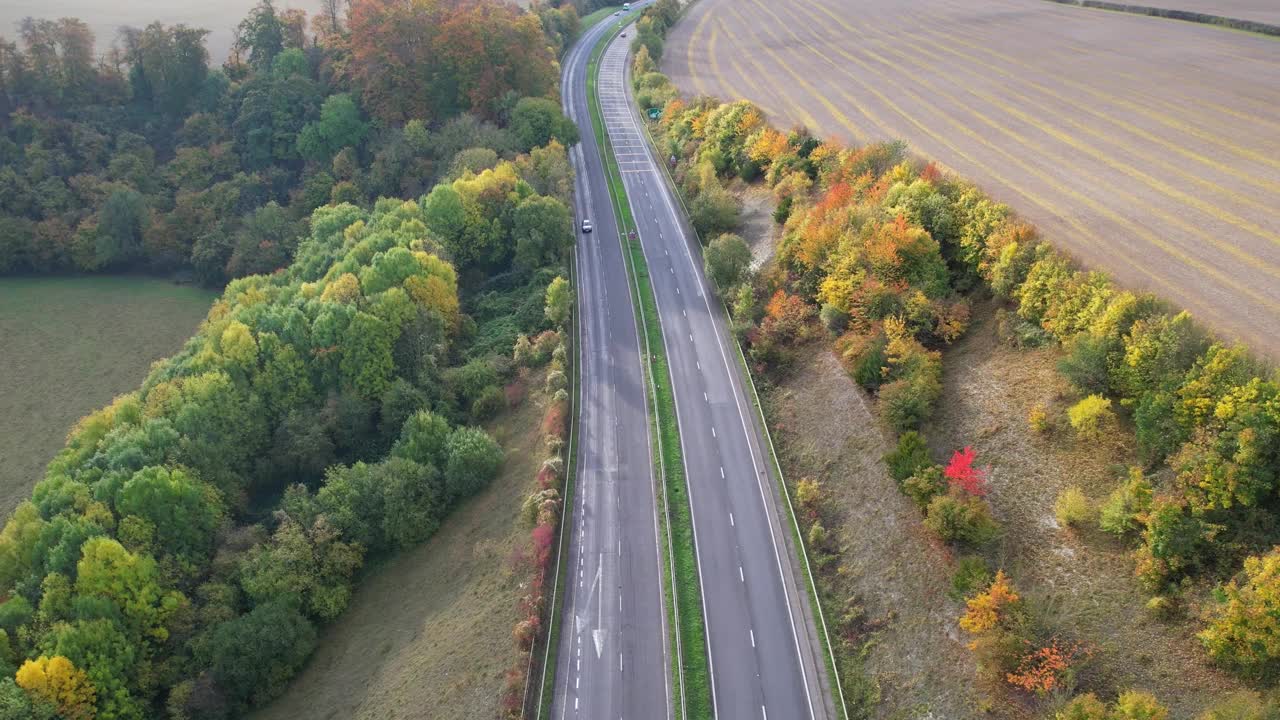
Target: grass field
pixel 428 633
pixel 1146 147
pixel 69 345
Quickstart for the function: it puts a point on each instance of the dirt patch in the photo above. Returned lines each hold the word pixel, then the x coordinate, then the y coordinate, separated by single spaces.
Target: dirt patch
pixel 428 633
pixel 1081 583
pixel 756 224
pixel 825 430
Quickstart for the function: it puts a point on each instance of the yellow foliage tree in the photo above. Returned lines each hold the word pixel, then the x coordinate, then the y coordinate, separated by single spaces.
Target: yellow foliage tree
pixel 984 609
pixel 60 682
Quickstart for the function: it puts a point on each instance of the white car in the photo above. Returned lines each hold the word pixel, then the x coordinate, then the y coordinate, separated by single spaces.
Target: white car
pixel 586 225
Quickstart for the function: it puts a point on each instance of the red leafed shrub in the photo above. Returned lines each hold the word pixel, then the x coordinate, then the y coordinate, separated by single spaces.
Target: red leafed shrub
pixel 1047 669
pixel 555 422
pixel 543 537
pixel 961 473
pixel 525 632
pixel 931 174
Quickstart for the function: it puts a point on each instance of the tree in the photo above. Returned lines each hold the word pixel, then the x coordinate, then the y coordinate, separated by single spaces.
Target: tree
pixel 559 302
pixel 168 66
pixel 537 121
pixel 129 581
pixel 474 459
pixel 120 225
pixel 183 511
pixel 18 704
pixel 261 35
pixel 424 439
pixel 58 681
pixel 308 567
pixel 1243 633
pixel 726 258
pixel 543 230
pixel 339 126
pixel 253 656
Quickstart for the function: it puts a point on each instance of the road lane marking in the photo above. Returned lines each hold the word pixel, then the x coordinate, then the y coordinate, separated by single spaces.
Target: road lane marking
pixel 713 431
pixel 753 640
pixel 741 577
pixel 705 398
pixel 731 523
pixel 721 472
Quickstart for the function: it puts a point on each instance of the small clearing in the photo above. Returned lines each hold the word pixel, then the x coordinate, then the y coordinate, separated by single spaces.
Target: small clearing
pixel 428 632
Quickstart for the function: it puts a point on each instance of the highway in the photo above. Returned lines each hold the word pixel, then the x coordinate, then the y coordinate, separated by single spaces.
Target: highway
pixel 612 660
pixel 765 659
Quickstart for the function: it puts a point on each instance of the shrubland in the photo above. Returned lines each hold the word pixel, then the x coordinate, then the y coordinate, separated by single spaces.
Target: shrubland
pixel 880 254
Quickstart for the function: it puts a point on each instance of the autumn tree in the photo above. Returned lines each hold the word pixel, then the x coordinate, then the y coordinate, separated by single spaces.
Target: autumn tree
pixel 60 682
pixel 1241 633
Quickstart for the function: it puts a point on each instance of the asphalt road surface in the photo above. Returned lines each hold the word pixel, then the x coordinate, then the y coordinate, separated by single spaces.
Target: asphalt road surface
pixel 764 656
pixel 612 659
pixel 1146 147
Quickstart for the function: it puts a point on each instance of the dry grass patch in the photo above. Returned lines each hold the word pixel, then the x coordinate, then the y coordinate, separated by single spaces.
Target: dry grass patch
pixel 428 632
pixel 1080 580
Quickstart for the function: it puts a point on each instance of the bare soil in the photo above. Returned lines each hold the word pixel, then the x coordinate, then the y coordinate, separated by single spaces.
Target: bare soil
pixel 1146 147
pixel 1081 583
pixel 428 633
pixel 756 224
pixel 824 430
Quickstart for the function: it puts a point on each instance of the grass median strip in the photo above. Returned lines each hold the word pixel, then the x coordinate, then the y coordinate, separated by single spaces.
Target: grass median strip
pixel 683 592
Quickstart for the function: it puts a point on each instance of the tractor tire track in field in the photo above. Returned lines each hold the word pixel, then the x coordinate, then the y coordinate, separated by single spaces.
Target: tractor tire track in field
pixel 1146 147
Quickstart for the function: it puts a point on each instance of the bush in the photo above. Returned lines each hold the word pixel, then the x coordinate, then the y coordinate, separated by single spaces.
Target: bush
pixel 833 318
pixel 911 455
pixel 907 403
pixel 488 404
pixel 474 459
pixel 1087 362
pixel 1091 417
pixel 1083 707
pixel 1038 419
pixel 1072 508
pixel 1119 513
pixel 926 484
pixel 959 517
pixel 970 577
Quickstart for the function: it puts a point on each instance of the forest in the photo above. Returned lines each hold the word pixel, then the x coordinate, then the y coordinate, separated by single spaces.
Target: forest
pixel 385 195
pixel 146 158
pixel 882 256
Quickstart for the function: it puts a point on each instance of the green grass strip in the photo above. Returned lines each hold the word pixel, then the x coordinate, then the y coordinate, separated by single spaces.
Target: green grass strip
pixel 691 664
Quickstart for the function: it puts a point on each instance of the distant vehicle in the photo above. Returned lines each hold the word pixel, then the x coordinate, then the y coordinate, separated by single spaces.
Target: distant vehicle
pixel 586 225
pixel 623 34
pixel 626 7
